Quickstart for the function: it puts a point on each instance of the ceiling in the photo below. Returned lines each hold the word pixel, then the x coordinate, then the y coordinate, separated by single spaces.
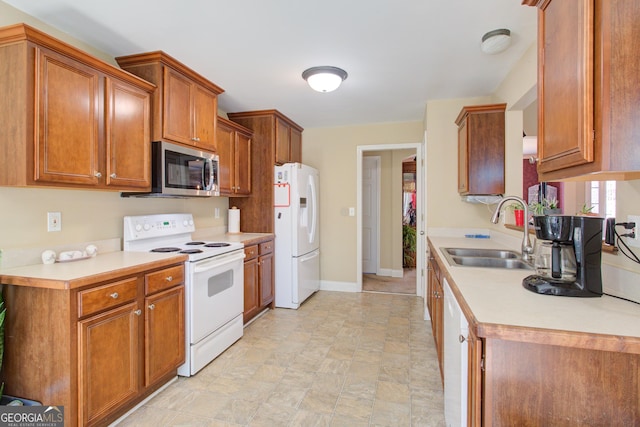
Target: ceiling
pixel 399 54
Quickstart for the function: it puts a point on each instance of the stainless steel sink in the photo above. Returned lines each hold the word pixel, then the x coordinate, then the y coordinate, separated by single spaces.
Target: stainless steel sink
pixel 486 258
pixel 485 253
pixel 491 262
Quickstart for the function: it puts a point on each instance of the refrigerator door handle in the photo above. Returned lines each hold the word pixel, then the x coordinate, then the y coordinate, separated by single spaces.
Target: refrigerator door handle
pixel 314 208
pixel 310 256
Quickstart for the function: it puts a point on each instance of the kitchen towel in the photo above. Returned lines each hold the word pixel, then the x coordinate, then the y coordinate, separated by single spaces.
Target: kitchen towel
pixel 234 220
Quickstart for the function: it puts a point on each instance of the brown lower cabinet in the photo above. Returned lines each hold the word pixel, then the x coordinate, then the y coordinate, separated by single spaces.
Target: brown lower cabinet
pixel 97 350
pixel 435 305
pixel 258 278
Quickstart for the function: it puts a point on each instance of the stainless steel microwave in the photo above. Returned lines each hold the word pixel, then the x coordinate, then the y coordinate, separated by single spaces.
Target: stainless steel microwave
pixel 180 171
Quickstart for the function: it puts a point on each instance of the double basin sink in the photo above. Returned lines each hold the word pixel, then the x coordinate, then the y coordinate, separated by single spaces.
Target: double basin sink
pixel 487 258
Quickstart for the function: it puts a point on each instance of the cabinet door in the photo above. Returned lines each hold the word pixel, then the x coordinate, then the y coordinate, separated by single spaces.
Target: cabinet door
pixel 463 157
pixel 243 164
pixel 177 119
pixel 251 289
pixel 295 154
pixel 67 131
pixel 565 84
pixel 205 113
pixel 164 333
pixel 266 279
pixel 226 168
pixel 474 381
pixel 128 136
pixel 283 141
pixel 109 361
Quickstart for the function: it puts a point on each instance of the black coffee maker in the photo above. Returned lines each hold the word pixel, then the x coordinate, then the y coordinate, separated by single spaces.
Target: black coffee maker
pixel 575 258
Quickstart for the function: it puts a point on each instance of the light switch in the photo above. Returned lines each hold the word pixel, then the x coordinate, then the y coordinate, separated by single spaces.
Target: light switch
pixel 352 211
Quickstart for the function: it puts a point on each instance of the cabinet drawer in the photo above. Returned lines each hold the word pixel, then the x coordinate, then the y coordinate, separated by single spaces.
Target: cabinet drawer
pixel 163 279
pixel 266 247
pixel 107 296
pixel 250 252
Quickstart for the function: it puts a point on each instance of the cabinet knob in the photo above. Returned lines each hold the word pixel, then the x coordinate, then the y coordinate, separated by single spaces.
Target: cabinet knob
pixel 169 278
pixel 196 139
pixel 114 295
pixel 461 338
pixel 113 175
pixel 138 312
pixel 152 306
pixel 97 174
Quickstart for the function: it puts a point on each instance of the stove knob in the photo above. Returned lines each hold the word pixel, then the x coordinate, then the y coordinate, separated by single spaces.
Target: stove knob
pixel 191 222
pixel 138 227
pixel 185 223
pixel 147 227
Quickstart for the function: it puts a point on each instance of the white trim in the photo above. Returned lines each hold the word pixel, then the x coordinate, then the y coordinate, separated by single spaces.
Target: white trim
pixel 388 272
pixel 420 258
pixel 330 285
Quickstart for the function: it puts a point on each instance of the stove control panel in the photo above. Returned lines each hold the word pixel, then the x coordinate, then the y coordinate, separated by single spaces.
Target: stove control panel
pixel 162 225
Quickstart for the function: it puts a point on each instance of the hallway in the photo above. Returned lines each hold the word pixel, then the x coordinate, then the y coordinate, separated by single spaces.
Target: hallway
pixel 341 359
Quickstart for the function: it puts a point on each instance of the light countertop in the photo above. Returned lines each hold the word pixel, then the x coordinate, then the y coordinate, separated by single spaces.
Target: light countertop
pixel 74 274
pixel 496 297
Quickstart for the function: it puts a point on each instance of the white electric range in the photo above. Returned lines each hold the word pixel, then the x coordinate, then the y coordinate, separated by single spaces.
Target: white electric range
pixel 214 283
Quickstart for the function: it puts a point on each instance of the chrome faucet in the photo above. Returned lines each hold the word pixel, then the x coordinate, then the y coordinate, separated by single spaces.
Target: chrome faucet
pixel 527 248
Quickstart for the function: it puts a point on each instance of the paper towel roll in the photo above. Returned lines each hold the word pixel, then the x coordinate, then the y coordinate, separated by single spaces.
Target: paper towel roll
pixel 234 220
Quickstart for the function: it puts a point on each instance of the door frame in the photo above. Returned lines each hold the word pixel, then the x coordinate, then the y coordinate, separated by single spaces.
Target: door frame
pixel 376 208
pixel 420 196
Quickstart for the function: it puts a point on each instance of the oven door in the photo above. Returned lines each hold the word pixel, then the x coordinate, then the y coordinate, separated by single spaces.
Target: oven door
pixel 215 288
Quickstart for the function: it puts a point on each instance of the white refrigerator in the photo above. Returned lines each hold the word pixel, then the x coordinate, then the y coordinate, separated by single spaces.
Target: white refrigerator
pixel 297 253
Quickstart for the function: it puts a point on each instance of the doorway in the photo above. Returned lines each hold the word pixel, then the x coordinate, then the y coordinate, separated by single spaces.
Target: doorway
pixel 386 233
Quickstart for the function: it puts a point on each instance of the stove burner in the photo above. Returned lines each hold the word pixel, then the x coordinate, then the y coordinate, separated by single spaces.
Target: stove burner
pixel 217 245
pixel 191 251
pixel 194 243
pixel 168 249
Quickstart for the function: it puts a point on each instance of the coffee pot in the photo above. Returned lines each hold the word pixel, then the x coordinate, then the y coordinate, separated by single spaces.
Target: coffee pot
pixel 553 260
pixel 567 257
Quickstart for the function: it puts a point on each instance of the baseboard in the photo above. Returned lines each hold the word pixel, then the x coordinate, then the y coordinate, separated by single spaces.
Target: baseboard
pixel 388 272
pixel 327 285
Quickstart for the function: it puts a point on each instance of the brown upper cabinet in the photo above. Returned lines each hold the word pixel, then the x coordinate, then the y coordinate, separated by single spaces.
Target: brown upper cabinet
pixel 185 108
pixel 588 89
pixel 274 134
pixel 481 149
pixel 71 120
pixel 234 149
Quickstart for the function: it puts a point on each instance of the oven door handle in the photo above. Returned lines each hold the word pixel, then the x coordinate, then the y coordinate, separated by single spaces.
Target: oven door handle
pixel 218 261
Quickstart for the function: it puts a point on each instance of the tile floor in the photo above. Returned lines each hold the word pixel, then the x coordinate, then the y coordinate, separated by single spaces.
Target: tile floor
pixel 342 359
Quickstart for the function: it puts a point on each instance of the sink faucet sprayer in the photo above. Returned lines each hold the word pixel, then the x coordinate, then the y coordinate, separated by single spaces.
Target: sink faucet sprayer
pixel 527 248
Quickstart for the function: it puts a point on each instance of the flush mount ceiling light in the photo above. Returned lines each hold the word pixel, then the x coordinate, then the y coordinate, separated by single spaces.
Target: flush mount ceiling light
pixel 496 41
pixel 325 78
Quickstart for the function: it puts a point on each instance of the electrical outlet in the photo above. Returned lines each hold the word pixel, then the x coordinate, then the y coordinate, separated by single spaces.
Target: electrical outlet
pixel 54 221
pixel 352 211
pixel 635 241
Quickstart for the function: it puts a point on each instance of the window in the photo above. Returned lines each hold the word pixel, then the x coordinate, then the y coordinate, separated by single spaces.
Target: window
pixel 601 195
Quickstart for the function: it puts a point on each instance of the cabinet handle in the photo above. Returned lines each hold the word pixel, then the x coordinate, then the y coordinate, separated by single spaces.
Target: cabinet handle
pixel 196 139
pixel 113 175
pixel 114 295
pixel 152 306
pixel 97 174
pixel 169 278
pixel 461 338
pixel 138 312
